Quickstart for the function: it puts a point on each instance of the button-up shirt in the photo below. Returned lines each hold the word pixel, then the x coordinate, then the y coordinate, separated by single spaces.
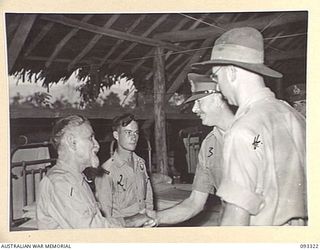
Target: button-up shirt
pixel 66 201
pixel 124 191
pixel 209 168
pixel 264 161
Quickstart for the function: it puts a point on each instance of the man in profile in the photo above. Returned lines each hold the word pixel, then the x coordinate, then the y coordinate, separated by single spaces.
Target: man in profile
pixel 264 152
pixel 214 112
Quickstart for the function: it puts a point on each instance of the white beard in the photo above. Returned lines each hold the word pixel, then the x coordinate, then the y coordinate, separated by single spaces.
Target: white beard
pixel 94 160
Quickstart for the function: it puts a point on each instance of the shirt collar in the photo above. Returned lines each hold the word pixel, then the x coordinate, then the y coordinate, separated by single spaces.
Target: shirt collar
pixel 79 177
pixel 261 94
pixel 120 162
pixel 214 131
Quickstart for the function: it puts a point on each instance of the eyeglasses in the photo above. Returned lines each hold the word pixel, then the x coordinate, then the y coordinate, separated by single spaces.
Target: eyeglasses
pixel 209 91
pixel 213 76
pixel 198 101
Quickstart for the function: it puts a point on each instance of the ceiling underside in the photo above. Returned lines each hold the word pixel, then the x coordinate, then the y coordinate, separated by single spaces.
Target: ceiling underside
pixel 58 44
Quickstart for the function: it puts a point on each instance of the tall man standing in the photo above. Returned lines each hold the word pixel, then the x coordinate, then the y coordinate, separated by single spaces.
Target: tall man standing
pixel 264 174
pixel 214 112
pixel 125 188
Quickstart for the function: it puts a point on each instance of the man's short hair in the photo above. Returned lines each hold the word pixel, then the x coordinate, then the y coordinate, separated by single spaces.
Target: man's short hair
pixel 122 120
pixel 63 124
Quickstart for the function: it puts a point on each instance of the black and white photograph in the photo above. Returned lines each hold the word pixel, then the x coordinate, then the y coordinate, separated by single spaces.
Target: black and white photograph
pixel 161 119
pixel 157 120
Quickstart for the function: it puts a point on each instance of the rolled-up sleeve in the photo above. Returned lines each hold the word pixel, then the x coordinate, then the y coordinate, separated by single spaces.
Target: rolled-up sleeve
pixel 240 180
pixel 203 180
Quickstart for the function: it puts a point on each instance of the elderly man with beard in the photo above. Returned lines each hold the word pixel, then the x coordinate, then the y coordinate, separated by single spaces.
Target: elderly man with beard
pixel 124 189
pixel 214 112
pixel 65 198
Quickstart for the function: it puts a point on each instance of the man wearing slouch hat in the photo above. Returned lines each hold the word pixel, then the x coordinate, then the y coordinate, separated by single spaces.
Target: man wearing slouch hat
pixel 264 153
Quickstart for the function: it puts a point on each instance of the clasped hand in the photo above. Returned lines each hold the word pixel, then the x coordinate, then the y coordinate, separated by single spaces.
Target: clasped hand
pixel 142 219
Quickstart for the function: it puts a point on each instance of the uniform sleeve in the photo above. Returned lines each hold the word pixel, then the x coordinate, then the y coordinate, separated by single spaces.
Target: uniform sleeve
pixel 104 193
pixel 203 180
pixel 242 168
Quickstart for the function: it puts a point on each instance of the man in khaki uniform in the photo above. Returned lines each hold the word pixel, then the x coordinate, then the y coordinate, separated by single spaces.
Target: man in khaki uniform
pixel 125 188
pixel 264 153
pixel 213 111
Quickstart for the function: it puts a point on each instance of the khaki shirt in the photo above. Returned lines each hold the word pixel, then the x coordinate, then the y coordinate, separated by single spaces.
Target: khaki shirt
pixel 66 201
pixel 209 168
pixel 124 191
pixel 264 168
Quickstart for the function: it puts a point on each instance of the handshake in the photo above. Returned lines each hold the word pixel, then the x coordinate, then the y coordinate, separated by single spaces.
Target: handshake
pixel 145 218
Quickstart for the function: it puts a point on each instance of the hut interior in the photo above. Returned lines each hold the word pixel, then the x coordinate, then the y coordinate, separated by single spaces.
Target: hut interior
pixel 156 52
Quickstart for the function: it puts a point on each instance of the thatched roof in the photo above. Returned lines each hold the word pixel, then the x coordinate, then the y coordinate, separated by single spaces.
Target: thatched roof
pixel 101 46
pixel 53 46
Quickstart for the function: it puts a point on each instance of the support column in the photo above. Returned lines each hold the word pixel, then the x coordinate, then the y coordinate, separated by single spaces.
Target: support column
pixel 279 88
pixel 95 80
pixel 159 89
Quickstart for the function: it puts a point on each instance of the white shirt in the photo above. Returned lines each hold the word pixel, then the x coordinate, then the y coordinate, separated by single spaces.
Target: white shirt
pixel 264 169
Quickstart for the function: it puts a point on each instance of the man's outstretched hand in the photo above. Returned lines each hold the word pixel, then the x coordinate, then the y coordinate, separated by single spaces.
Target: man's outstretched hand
pixel 154 220
pixel 139 220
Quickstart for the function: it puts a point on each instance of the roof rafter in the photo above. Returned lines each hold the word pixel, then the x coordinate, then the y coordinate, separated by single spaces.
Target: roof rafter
pixel 13 25
pixel 179 56
pixel 19 38
pixel 131 28
pixel 38 38
pixel 110 32
pixel 168 65
pixel 177 69
pixel 195 58
pixel 144 34
pixel 148 55
pixel 151 52
pixel 258 23
pixel 93 41
pixel 193 26
pixel 63 42
pixel 287 55
pixel 83 61
pixel 271 41
pixel 198 22
pixel 180 78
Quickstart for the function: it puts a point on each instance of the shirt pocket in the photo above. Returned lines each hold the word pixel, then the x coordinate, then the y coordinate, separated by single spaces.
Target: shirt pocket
pixel 119 194
pixel 81 206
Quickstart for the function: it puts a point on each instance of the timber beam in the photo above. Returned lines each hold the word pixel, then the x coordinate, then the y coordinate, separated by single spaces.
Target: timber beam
pixel 258 23
pixel 110 32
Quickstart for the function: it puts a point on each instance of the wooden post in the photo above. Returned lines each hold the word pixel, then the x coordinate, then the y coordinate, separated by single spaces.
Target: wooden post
pixel 95 79
pixel 159 114
pixel 279 90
